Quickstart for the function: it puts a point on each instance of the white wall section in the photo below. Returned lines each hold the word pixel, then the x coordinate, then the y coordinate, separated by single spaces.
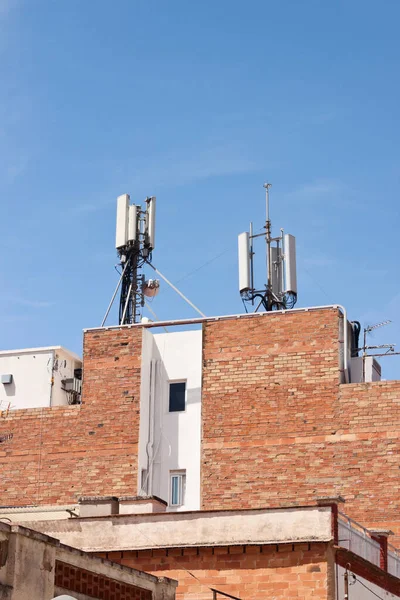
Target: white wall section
pixel 37 374
pixel 170 441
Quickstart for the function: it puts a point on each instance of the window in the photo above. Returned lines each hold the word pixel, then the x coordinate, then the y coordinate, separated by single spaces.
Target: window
pixel 177 488
pixel 143 481
pixel 177 396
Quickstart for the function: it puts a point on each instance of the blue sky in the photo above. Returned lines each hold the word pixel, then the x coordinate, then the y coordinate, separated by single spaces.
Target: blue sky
pixel 197 103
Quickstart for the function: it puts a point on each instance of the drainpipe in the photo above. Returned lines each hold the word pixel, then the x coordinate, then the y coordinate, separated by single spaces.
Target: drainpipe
pixel 150 443
pixel 52 363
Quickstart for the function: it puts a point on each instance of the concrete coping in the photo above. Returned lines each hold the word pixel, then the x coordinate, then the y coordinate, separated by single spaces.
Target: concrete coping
pixel 381 532
pixel 47 539
pixel 328 500
pixel 96 499
pixel 199 320
pixel 215 511
pixel 140 499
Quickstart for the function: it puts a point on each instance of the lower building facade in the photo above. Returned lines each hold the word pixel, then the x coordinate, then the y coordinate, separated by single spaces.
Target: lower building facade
pixel 282 553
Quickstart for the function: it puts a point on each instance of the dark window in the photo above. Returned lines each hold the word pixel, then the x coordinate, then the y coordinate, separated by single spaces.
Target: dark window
pixel 177 393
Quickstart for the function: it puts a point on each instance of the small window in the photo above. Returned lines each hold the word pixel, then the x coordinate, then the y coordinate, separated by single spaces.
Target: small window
pixel 177 396
pixel 178 486
pixel 143 481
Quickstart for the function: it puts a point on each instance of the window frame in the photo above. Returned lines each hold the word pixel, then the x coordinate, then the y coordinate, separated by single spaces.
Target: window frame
pixel 172 382
pixel 181 474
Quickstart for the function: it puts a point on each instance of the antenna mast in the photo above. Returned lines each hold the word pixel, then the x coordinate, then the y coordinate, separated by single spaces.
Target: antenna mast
pixel 134 241
pixel 268 240
pixel 280 291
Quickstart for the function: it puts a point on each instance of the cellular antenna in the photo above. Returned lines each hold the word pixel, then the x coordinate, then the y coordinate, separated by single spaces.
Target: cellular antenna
pixel 135 242
pixel 280 291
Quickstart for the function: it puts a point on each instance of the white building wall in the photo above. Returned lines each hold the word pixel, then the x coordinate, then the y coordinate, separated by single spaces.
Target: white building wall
pixel 148 349
pixel 173 442
pixel 63 368
pixel 36 377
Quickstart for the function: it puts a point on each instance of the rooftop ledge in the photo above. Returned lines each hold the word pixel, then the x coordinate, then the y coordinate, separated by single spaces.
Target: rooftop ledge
pixel 195 320
pixel 192 529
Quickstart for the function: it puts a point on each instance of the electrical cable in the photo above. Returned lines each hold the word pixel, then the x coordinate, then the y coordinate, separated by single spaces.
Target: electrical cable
pixel 154 314
pixel 367 588
pixel 176 289
pixel 208 262
pixel 316 282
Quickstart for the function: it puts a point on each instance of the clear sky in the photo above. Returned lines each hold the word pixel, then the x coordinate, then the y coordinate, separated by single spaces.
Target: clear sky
pixel 197 103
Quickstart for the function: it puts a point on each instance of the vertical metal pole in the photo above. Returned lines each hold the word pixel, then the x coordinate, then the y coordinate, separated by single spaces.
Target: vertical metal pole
pixel 114 294
pixel 282 263
pixel 364 353
pixel 346 585
pixel 251 263
pixel 268 238
pixel 126 304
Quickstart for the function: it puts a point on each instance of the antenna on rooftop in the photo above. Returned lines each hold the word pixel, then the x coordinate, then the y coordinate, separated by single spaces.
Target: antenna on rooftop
pixel 280 291
pixel 134 241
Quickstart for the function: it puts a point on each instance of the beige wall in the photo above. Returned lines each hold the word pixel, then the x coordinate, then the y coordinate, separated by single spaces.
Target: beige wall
pixel 214 528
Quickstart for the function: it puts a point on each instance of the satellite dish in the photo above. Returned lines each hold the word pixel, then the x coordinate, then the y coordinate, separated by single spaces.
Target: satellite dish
pixel 151 288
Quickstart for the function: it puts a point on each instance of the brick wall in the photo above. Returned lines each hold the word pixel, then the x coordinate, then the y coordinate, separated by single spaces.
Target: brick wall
pixel 278 428
pixel 368 417
pixel 57 454
pixel 257 572
pixel 269 385
pixel 70 578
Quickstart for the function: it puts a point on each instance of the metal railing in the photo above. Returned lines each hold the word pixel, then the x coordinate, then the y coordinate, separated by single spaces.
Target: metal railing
pixel 393 561
pixel 217 593
pixel 357 538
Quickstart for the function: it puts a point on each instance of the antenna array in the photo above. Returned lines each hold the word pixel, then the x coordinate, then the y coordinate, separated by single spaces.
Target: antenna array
pixel 280 291
pixel 134 241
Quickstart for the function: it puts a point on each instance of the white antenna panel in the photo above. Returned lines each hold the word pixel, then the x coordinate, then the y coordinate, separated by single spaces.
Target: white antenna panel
pixel 122 221
pixel 151 222
pixel 244 262
pixel 132 223
pixel 290 264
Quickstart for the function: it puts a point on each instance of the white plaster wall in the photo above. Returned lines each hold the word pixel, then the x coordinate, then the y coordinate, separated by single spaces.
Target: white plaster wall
pixel 173 440
pixel 179 433
pixel 33 371
pixel 63 368
pixel 358 591
pixel 31 380
pixel 148 349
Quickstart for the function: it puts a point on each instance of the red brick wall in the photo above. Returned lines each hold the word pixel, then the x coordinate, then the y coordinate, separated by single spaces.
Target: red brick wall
pixel 74 579
pixel 369 418
pixel 279 429
pixel 58 454
pixel 258 572
pixel 269 385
